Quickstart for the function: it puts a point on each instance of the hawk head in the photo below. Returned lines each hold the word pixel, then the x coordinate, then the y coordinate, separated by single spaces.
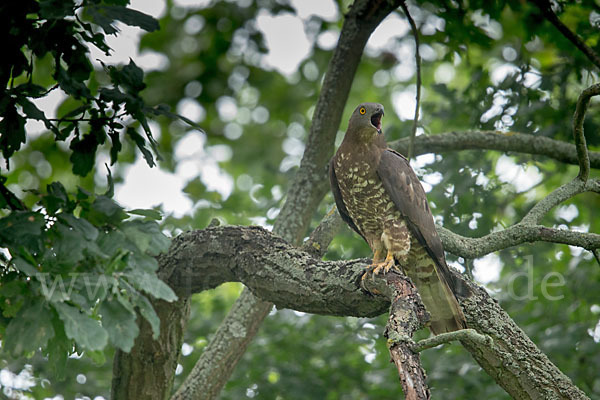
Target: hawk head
pixel 365 122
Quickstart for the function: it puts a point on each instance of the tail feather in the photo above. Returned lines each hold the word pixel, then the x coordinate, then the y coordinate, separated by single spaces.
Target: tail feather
pixel 438 298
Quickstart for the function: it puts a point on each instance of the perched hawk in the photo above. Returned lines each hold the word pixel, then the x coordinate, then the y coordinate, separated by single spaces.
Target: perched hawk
pixel 379 195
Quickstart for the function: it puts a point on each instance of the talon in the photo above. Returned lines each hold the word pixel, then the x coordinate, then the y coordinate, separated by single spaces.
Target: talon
pixel 376 266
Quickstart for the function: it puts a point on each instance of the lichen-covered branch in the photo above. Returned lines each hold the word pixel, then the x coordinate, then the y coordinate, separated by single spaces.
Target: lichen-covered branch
pixel 512 236
pixel 511 358
pixel 406 317
pixel 493 140
pixel 463 334
pixel 271 267
pixel 282 274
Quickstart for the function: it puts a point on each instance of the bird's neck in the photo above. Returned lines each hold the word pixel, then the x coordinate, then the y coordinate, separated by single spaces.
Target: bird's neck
pixel 359 143
pixel 358 152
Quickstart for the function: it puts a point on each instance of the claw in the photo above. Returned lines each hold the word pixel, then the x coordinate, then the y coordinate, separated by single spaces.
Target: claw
pixel 376 267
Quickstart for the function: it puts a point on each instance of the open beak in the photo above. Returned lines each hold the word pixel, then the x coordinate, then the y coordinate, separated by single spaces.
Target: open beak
pixel 376 120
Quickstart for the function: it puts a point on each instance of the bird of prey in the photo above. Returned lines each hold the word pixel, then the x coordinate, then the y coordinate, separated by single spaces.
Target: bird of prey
pixel 379 195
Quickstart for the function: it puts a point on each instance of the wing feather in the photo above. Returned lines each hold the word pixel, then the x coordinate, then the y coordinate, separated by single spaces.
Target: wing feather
pixel 403 186
pixel 339 201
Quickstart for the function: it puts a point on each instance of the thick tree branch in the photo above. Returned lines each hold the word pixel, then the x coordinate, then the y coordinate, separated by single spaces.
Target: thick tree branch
pixel 493 140
pixel 512 359
pixel 280 273
pixel 151 363
pixel 407 314
pixel 268 265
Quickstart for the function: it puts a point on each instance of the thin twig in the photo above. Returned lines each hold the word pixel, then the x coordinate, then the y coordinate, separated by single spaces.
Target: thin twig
pixel 582 152
pixel 596 254
pixel 415 32
pixel 557 196
pixel 463 334
pixel 546 9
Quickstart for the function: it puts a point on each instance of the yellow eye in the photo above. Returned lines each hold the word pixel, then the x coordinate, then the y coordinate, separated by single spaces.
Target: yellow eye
pixel 362 110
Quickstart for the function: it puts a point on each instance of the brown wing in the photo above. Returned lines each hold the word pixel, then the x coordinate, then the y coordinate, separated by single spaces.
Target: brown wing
pixel 339 201
pixel 403 186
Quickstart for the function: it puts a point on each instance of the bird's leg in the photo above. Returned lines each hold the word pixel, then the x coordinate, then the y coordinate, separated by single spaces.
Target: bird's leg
pixel 386 264
pixel 377 265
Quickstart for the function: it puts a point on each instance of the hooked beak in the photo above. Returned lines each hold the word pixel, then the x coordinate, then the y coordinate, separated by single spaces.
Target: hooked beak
pixel 376 119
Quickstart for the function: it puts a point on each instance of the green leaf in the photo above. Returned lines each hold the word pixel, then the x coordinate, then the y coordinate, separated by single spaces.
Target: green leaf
pixel 147 236
pixel 98 357
pixel 163 109
pixel 22 228
pixel 116 146
pixel 58 348
pixel 105 210
pixel 131 77
pixel 12 131
pixel 71 86
pixel 110 191
pixel 56 198
pixel 30 329
pixel 151 284
pixel 81 226
pixel 29 89
pixel 24 266
pixel 120 324
pixel 31 111
pixel 82 328
pixel 55 9
pixel 8 198
pixel 148 213
pixel 101 20
pixel 112 243
pixel 84 154
pixel 67 246
pixel 79 63
pixel 97 287
pixel 141 144
pixel 130 17
pixel 148 312
pixel 113 94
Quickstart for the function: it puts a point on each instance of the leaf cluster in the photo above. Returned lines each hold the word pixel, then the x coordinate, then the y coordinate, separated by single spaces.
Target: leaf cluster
pixel 62 31
pixel 77 272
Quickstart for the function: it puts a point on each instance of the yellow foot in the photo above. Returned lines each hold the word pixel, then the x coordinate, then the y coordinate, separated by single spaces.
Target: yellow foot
pixel 376 267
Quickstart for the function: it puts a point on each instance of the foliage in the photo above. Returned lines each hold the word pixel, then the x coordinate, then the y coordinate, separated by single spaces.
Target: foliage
pixel 487 65
pixel 79 269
